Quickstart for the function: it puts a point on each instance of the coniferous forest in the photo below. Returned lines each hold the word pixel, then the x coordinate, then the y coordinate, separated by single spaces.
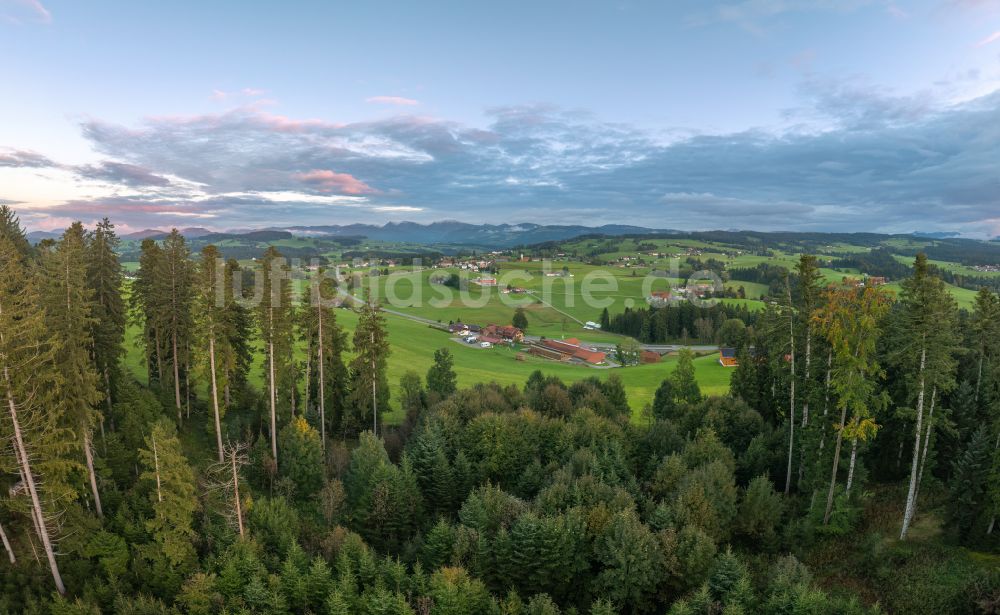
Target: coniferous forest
pixel 853 468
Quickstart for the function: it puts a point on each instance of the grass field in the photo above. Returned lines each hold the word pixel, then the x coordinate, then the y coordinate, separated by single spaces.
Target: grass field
pixel 413 345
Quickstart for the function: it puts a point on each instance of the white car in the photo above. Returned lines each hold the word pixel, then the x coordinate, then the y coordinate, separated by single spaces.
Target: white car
pixel 485 345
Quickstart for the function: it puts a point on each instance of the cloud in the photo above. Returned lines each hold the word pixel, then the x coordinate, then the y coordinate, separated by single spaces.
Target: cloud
pixel 856 158
pixel 393 100
pixel 122 173
pixel 992 38
pixel 19 11
pixel 328 181
pixel 15 158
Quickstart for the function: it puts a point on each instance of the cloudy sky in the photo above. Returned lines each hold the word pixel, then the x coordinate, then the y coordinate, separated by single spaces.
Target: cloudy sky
pixel 875 115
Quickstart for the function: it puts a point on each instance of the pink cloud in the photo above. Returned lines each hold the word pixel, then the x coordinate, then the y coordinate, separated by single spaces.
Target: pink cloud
pixel 393 100
pixel 328 181
pixel 992 38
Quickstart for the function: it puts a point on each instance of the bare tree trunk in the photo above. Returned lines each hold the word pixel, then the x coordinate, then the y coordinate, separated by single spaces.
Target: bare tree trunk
pixel 187 381
pixel 88 454
pixel 912 492
pixel 836 466
pixel 274 401
pixel 979 371
pixel 791 393
pixel 6 545
pixel 374 397
pixel 305 394
pixel 826 396
pixel 320 358
pixel 215 393
pixel 177 379
pixel 36 503
pixel 159 355
pixel 850 467
pixel 236 493
pixel 805 404
pixel 107 387
pixel 156 469
pixel 927 438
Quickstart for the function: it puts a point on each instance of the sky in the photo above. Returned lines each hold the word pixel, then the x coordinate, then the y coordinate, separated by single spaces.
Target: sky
pixel 821 115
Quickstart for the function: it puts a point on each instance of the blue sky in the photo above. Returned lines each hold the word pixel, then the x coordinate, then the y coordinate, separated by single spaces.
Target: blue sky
pixel 766 114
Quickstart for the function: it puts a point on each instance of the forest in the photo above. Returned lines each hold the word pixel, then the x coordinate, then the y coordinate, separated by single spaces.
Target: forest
pixel 852 468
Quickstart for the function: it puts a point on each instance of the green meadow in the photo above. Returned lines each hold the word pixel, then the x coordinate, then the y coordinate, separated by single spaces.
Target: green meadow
pixel 413 345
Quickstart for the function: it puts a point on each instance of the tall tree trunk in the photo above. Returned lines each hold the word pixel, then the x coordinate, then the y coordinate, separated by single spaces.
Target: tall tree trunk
pixel 320 359
pixel 6 545
pixel 187 381
pixel 159 355
pixel 850 468
pixel 993 519
pixel 805 404
pixel 979 370
pixel 88 454
pixel 836 466
pixel 177 379
pixel 29 478
pixel 236 492
pixel 374 397
pixel 926 445
pixel 156 469
pixel 791 391
pixel 107 388
pixel 826 397
pixel 305 393
pixel 912 492
pixel 274 401
pixel 215 393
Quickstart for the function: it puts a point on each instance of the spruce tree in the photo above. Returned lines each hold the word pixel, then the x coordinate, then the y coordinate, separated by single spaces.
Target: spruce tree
pixel 369 390
pixel 212 338
pixel 68 304
pixel 26 374
pixel 923 347
pixel 441 377
pixel 274 317
pixel 175 281
pixel 105 279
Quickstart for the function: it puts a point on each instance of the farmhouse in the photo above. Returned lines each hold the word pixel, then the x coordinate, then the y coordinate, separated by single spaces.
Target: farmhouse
pixel 506 333
pixel 571 348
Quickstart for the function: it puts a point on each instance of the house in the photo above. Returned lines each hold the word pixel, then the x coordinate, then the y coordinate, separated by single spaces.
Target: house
pixel 459 328
pixel 875 280
pixel 571 348
pixel 487 281
pixel 648 356
pixel 507 333
pixel 727 357
pixel 489 339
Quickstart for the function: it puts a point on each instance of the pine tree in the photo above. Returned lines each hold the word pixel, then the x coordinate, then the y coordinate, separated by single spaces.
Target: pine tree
pixel 369 390
pixel 26 373
pixel 175 279
pixel 923 346
pixel 685 383
pixel 10 228
pixel 145 307
pixel 520 319
pixel 325 341
pixel 172 496
pixel 274 315
pixel 104 278
pixel 212 337
pixel 68 303
pixel 850 320
pixel 441 377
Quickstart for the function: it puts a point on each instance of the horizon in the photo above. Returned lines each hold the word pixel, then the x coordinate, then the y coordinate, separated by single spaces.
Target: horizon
pixel 766 115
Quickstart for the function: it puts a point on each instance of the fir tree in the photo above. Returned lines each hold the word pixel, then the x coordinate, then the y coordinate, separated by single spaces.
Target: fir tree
pixel 369 390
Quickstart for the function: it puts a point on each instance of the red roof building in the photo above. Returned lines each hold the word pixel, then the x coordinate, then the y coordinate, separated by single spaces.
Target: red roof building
pixel 574 350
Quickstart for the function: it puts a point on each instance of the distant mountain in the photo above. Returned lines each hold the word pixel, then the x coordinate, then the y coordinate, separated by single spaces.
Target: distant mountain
pixel 936 234
pixel 461 233
pixel 36 236
pixel 193 232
